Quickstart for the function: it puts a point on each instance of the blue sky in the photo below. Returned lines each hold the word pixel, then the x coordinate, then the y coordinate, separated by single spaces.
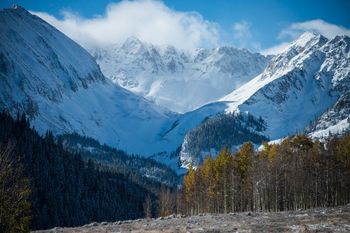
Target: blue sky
pixel 257 25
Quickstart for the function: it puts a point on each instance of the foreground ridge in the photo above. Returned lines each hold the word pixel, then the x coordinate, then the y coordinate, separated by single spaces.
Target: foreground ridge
pixel 312 220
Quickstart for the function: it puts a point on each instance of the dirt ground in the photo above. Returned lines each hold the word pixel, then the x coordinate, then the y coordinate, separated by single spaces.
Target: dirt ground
pixel 313 220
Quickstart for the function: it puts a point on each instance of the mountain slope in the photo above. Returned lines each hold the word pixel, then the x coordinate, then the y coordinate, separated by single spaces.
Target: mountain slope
pixel 299 84
pixel 336 120
pixel 61 88
pixel 177 79
pixel 310 78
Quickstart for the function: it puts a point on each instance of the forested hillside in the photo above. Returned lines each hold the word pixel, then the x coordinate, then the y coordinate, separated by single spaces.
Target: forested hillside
pixel 64 190
pixel 144 171
pixel 296 174
pixel 227 130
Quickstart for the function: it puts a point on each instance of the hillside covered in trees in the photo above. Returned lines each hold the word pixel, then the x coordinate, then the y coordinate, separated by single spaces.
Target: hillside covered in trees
pixel 296 174
pixel 144 171
pixel 60 188
pixel 228 130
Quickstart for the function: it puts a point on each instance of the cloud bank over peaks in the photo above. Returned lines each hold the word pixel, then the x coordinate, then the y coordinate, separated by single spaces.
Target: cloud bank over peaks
pixel 153 22
pixel 319 26
pixel 294 30
pixel 149 20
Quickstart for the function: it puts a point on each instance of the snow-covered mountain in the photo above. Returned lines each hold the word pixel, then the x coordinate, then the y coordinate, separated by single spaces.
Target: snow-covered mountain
pixel 176 79
pixel 61 88
pixel 308 82
pixel 299 85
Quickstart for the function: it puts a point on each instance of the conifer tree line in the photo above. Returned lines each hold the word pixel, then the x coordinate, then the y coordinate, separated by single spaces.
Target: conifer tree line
pixel 43 186
pixel 296 174
pixel 135 168
pixel 14 193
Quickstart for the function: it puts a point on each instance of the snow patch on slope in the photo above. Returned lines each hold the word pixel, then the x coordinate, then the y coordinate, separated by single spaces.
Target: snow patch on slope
pixel 339 128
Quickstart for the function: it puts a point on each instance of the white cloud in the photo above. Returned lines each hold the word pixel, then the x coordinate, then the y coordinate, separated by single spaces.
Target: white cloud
pixel 241 30
pixel 149 20
pixel 319 26
pixel 294 30
pixel 242 35
pixel 276 49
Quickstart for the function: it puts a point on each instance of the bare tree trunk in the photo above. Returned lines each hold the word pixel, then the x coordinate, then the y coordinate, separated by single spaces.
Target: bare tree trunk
pixel 147 207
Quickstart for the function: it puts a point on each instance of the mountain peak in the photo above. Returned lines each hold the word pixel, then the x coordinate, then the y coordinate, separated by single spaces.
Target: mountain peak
pixel 25 35
pixel 309 34
pixel 133 45
pixel 132 40
pixel 17 8
pixel 308 37
pixel 18 12
pixel 344 38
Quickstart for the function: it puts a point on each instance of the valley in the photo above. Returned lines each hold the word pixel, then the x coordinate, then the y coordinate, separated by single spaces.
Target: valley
pixel 296 89
pixel 135 132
